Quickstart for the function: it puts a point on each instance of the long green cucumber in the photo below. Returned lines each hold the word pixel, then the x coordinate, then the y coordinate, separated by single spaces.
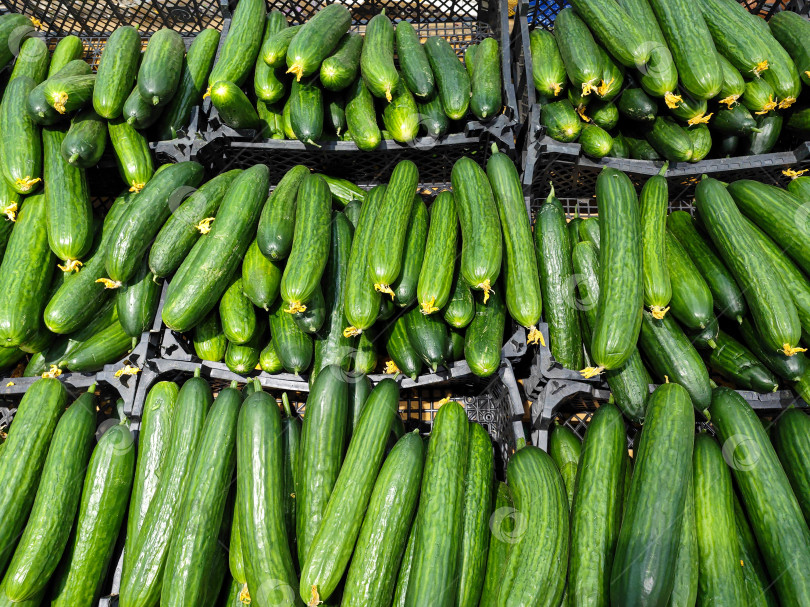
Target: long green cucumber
pixel 161 67
pixel 692 300
pixel 37 104
pixel 759 588
pixel 306 111
pixel 499 543
pixel 486 81
pixel 32 60
pixel 269 85
pixel 261 277
pixel 277 222
pixel 484 336
pixel 14 27
pixel 736 363
pixel 578 51
pixel 291 444
pixel 209 341
pixel 548 70
pixel 20 142
pixel 565 449
pixel 107 346
pixel 243 359
pixel 790 368
pixel 67 94
pixel 460 310
pixel 117 70
pixel 413 61
pixel 132 154
pixel 294 347
pixel 67 49
pixel 138 112
pixel 237 314
pixel 685 588
pixel 654 200
pixel 436 275
pixel 311 320
pixel 427 336
pixel 317 39
pixel 331 549
pixel 361 117
pixel 137 301
pixel 790 441
pixel 404 357
pixel 238 52
pixel 86 139
pixel 340 69
pixel 452 80
pixel 377 57
pixel 413 255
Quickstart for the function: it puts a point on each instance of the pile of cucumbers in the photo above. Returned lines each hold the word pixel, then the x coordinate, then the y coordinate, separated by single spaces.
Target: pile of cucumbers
pixel 673 79
pixel 675 298
pixel 318 81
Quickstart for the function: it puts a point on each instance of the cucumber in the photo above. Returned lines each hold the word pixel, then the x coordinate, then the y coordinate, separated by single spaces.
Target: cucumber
pixel 728 298
pixel 9 357
pixel 154 437
pixel 238 52
pixel 413 61
pixel 162 64
pixel 365 356
pixel 485 81
pixel 604 115
pixel 503 527
pixel 269 360
pixel 790 442
pixel 685 588
pixel 237 314
pixel 791 368
pixel 103 505
pixel 195 289
pixel 361 117
pixel 691 298
pixel 271 118
pixel 67 49
pixel 308 256
pixel 733 84
pixel 535 576
pixel 599 479
pixel 277 222
pixel 209 341
pixel 384 533
pixel 139 113
pixel 758 586
pixel 736 363
pixel 67 201
pixel 596 142
pixel 132 154
pixel 791 31
pixel 561 121
pixel 579 52
pixel 640 149
pixel 86 139
pixel 306 111
pixel 405 287
pixel 243 359
pixel 618 321
pixel 437 546
pixel 377 57
pixel 13 28
pixel 387 243
pixel 233 106
pixel 274 47
pixel 259 446
pixel 317 39
pixel 25 274
pixel 311 320
pixel 137 301
pixel 636 105
pixel 548 70
pixel 46 533
pixel 404 358
pixel 107 346
pixel 691 110
pixel 701 138
pixel 37 104
pixel 654 201
pixel 196 67
pixel 589 231
pixel 736 120
pixel 261 277
pixel 672 356
pixel 332 546
pixel 460 310
pixel 20 142
pixel 770 127
pixel 452 81
pixel 799 121
pixel 481 250
pixel 427 336
pixel 291 429
pixel 32 60
pixel 432 116
pixel 117 70
pixel 344 191
pixel 670 140
pixel 773 312
pixel 340 68
pixel 759 97
pixel 186 224
pixel 362 301
pixel 646 552
pixel 705 338
pixel 294 347
pixel 401 115
pixel 336 113
pixel 728 146
pixel 359 389
pixel 484 336
pixel 765 491
pixel 194 536
pixel 436 274
pixel 554 259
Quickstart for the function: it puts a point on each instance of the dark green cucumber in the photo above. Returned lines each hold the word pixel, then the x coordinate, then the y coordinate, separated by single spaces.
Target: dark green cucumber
pixel 154 434
pixel 523 296
pixel 387 243
pixel 233 106
pixel 728 146
pixel 20 142
pixel 147 212
pixel 404 357
pixel 321 453
pixel 554 260
pixel 311 319
pixel 433 577
pixel 460 310
pixel 384 534
pixel 359 389
pixel 86 139
pixel 335 113
pixel 452 81
pixel 481 238
pixel 137 301
pixel 790 442
pixel 294 347
pixel 790 368
pixel 413 61
pixel 139 113
pixel 132 154
pixel 331 548
pixel 161 67
pixel 25 274
pixel 701 138
pixel 770 127
pixel 436 275
pixel 604 115
pixel 432 116
pixel 548 70
pixel 672 357
pixel 401 115
pixel 646 552
pixel 13 28
pixel 117 71
pixel 310 250
pixel 589 231
pixel 484 336
pixel 791 32
pixel 533 576
pixel 654 200
pixel 736 363
pixel 579 52
pixel 103 505
pixel 757 583
pixel 377 58
pixel 412 257
pixel 196 289
pixel 769 501
pixel 736 120
pixel 640 149
pixel 9 357
pixel 427 336
pixel 306 111
pixel 261 277
pixel 728 298
pixel 565 448
pixel 187 223
pixel 32 60
pixel 243 359
pixel 704 339
pixel 203 502
pixel 621 298
pixel 768 300
pixel 685 588
pixel 596 142
pixel 670 140
pixel 485 82
pixel 209 341
pixel 239 51
pixel 38 107
pixel 277 222
pixel 269 360
pixel 636 105
pixel 46 533
pixel 692 300
pixel 317 39
pixel 365 356
pixel 597 508
pixel 67 49
pixel 67 94
pixel 107 346
pixel 561 121
pixel 362 302
pixel 361 117
pixel 499 543
pixel 340 68
pixel 237 314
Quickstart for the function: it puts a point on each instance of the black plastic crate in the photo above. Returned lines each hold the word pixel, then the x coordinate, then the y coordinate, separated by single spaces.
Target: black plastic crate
pixel 102 17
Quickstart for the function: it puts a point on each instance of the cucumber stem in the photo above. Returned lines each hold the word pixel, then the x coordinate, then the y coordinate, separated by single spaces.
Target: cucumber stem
pixel 197 371
pixel 155 100
pixel 73 158
pixel 286 402
pixel 92 388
